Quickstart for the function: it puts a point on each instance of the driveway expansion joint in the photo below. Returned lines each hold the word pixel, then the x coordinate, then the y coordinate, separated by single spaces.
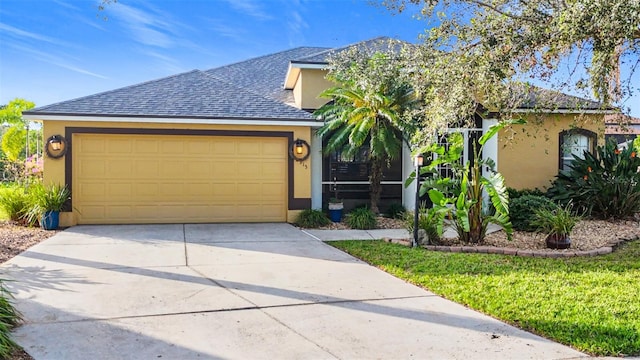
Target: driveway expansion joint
pixel 213 311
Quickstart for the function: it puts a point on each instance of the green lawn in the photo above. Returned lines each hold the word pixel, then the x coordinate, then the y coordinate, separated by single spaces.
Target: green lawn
pixel 591 304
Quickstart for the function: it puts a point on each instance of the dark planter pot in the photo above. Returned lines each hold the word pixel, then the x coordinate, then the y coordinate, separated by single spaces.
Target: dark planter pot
pixel 556 241
pixel 50 220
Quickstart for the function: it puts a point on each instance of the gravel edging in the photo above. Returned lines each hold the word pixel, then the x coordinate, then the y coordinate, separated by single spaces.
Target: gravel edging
pixel 612 246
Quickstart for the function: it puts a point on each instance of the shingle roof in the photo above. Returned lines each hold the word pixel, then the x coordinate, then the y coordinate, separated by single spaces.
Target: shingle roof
pixel 533 97
pixel 265 75
pixel 380 44
pixel 250 89
pixel 191 94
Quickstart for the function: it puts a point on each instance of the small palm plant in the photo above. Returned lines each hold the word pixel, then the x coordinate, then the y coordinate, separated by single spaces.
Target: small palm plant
pixel 557 223
pixel 359 116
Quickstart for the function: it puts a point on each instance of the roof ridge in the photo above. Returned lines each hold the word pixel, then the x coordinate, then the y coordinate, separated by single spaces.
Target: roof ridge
pixel 267 55
pixel 39 108
pixel 358 43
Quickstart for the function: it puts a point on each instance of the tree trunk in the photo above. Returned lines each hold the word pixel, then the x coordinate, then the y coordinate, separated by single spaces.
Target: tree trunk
pixel 375 178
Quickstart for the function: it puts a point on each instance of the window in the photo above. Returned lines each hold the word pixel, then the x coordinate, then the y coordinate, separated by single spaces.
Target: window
pixel 574 143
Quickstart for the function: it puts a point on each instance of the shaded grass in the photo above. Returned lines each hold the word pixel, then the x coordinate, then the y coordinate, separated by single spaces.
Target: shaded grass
pixel 591 304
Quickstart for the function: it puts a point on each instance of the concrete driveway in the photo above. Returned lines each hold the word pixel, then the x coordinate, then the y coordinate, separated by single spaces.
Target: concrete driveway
pixel 237 291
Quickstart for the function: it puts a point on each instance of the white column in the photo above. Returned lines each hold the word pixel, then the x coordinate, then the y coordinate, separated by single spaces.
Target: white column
pixel 316 171
pixel 408 193
pixel 490 149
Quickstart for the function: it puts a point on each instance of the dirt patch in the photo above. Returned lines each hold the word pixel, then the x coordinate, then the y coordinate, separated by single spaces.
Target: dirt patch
pixel 15 239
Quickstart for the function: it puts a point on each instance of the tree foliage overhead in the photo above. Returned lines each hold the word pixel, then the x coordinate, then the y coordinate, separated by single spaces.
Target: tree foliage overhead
pixel 12 112
pixel 578 46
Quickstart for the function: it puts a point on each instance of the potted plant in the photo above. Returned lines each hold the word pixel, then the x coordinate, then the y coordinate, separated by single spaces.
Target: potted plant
pixel 48 201
pixel 335 209
pixel 335 204
pixel 557 223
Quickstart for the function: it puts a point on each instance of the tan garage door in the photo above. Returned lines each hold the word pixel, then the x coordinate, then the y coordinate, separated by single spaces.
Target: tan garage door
pixel 121 179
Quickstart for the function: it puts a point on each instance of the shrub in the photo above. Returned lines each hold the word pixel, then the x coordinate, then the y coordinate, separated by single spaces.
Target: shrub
pixel 523 208
pixel 9 318
pixel 310 218
pixel 429 220
pixel 396 211
pixel 515 193
pixel 604 185
pixel 15 202
pixel 46 198
pixel 559 221
pixel 361 218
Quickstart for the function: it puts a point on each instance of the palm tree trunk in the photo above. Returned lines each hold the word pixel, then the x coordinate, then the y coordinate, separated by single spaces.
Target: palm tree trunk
pixel 375 179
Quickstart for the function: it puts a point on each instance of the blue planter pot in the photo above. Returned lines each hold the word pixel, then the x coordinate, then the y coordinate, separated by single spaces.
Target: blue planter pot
pixel 335 215
pixel 50 220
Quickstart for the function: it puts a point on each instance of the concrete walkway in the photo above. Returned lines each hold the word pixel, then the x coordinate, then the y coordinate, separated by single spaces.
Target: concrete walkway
pixel 375 234
pixel 237 291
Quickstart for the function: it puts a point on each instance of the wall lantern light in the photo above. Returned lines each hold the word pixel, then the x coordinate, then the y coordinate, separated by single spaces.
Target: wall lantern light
pixel 56 146
pixel 299 150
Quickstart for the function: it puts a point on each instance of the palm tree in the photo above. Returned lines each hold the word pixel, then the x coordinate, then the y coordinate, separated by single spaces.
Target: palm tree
pixel 377 118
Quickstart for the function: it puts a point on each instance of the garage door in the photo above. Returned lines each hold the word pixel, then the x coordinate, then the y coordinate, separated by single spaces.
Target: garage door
pixel 121 179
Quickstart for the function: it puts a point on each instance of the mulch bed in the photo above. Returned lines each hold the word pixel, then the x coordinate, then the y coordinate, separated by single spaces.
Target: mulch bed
pixel 15 239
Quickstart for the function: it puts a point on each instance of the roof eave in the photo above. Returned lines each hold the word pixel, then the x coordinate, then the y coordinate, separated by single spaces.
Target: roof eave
pixel 172 119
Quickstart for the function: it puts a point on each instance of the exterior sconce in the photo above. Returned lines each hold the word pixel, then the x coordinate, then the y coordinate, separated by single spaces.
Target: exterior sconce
pixel 419 160
pixel 299 150
pixel 56 146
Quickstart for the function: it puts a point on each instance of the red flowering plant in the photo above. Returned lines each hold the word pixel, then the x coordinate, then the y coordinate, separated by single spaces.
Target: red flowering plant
pixel 605 184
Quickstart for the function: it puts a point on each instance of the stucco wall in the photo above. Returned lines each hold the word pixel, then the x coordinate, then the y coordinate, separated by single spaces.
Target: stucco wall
pixel 312 83
pixel 528 155
pixel 54 169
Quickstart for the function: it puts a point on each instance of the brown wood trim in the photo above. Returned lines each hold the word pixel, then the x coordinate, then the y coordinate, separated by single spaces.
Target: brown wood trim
pixel 293 202
pixel 300 204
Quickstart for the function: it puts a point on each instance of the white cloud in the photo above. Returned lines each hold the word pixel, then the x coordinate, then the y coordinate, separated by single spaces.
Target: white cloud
pixel 22 34
pixel 295 22
pixel 55 60
pixel 146 27
pixel 249 7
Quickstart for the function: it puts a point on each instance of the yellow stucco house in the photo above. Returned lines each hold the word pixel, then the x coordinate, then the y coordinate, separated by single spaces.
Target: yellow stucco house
pixel 237 144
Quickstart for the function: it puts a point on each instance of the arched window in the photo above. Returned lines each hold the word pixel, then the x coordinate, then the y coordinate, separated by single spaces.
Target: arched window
pixel 575 142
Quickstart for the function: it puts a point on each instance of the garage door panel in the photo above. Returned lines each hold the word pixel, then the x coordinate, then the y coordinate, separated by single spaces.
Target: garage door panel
pixel 171 169
pixel 200 170
pixel 120 190
pixel 146 146
pixel 146 168
pixel 119 146
pixel 91 169
pixel 172 147
pixel 167 178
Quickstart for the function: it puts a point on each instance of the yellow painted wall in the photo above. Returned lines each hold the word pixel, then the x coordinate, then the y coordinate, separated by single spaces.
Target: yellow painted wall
pixel 310 84
pixel 54 169
pixel 528 154
pixel 297 92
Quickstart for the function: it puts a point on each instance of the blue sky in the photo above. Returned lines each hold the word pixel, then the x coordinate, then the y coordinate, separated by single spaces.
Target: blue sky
pixel 55 50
